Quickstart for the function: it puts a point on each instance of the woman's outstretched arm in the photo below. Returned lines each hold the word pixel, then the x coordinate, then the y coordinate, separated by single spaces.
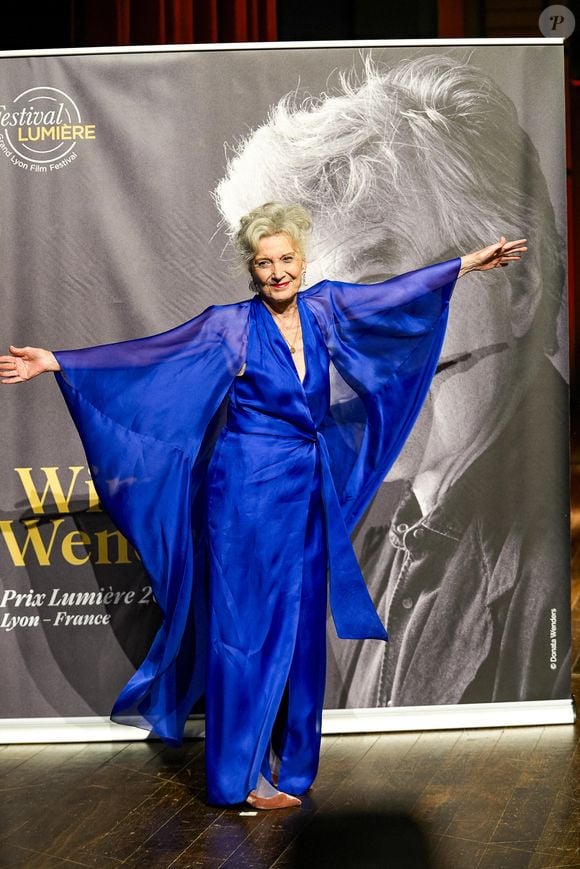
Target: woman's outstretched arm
pixel 500 254
pixel 24 363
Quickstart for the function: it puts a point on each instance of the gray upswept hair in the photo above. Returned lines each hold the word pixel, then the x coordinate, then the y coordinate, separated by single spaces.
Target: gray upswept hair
pixel 431 135
pixel 268 219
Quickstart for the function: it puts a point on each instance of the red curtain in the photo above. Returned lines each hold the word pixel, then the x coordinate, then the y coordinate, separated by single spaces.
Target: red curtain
pixel 160 22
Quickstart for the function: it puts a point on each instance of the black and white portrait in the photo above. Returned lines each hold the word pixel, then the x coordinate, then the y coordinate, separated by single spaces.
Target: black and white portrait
pixel 403 164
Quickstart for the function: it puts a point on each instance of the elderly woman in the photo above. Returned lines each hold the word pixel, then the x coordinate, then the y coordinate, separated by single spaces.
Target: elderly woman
pixel 219 451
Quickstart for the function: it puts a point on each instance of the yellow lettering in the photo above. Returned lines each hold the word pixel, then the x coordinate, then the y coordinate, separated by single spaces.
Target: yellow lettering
pixel 69 541
pixel 103 552
pixel 53 486
pixel 17 552
pixel 64 132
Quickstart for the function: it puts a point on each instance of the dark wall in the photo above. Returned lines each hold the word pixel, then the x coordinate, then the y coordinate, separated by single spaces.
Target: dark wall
pixel 356 19
pixel 45 26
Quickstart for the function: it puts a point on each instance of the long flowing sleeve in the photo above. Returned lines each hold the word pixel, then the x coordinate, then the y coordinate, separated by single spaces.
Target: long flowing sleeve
pixel 146 411
pixel 384 341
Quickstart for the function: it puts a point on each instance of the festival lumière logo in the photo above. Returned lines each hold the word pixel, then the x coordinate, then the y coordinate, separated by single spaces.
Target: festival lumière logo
pixel 41 128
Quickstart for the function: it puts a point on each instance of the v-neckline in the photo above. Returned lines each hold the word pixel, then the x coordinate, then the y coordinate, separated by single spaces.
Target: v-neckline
pixel 284 343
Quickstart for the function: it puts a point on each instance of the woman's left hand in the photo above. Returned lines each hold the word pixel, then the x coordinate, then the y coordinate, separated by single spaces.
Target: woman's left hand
pixel 497 255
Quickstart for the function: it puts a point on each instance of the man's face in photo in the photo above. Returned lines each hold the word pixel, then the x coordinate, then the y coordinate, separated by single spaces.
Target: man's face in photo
pixel 474 390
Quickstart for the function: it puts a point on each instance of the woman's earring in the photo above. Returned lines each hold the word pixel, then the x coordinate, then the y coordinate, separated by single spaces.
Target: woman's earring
pixel 253 287
pixel 303 278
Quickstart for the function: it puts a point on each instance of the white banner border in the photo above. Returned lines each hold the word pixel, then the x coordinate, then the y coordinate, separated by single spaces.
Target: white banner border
pixel 269 46
pixel 335 721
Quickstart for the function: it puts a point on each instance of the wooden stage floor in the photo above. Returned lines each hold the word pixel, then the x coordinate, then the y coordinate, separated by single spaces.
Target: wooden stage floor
pixel 489 799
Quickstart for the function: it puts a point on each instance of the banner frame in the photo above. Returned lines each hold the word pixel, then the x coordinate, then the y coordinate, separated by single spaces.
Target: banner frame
pixel 241 46
pixel 526 713
pixel 335 721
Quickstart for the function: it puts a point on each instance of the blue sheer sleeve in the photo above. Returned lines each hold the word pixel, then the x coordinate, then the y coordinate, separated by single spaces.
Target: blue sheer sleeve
pixel 384 340
pixel 144 412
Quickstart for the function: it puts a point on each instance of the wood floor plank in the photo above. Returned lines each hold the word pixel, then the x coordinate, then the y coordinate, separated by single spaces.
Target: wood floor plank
pixel 12 756
pixel 561 834
pixel 391 768
pixel 136 754
pixel 272 836
pixel 549 861
pixel 455 784
pixel 536 789
pixel 63 817
pixel 174 838
pixel 487 791
pixel 37 765
pixel 26 790
pixel 525 817
pixel 438 804
pixel 504 857
pixel 127 834
pixel 16 857
pixel 156 759
pixel 455 853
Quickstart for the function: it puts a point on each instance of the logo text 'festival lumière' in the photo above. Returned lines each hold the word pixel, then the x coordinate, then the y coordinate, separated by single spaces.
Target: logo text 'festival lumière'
pixel 41 128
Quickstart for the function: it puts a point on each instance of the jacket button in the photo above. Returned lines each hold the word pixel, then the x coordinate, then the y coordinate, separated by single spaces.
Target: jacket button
pixel 407 603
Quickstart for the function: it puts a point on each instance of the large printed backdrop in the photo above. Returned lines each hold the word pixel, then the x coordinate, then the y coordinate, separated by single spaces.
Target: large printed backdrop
pixel 109 166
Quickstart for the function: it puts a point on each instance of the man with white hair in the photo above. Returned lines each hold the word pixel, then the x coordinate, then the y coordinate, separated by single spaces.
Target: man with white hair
pixel 400 168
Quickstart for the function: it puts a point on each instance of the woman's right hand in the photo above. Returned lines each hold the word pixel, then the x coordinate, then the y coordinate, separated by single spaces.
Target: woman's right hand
pixel 24 363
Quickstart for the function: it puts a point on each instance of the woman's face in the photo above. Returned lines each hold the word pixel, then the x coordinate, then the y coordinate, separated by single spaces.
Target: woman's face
pixel 277 268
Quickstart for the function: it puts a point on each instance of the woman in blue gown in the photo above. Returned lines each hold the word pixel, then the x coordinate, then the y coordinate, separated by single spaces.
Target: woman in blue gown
pixel 236 452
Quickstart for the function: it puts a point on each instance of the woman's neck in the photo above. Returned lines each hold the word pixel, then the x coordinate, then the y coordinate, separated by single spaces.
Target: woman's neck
pixel 284 309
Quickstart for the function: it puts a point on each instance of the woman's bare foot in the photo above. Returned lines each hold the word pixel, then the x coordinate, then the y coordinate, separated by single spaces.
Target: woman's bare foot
pixel 279 801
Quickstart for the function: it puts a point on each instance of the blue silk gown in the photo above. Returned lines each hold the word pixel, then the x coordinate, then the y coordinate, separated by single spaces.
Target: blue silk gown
pixel 240 492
